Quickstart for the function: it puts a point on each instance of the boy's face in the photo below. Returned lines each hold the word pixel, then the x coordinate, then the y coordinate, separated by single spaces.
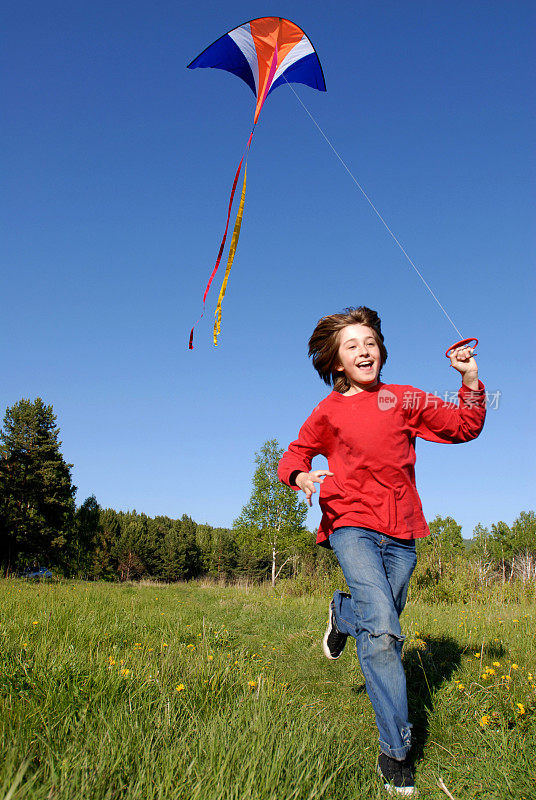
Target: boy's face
pixel 359 356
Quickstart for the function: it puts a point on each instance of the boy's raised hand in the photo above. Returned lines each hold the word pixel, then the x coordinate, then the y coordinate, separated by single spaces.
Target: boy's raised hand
pixel 306 481
pixel 463 361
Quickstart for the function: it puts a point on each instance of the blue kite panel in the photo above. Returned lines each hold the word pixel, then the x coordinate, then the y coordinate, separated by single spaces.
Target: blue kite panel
pixel 225 54
pixel 307 70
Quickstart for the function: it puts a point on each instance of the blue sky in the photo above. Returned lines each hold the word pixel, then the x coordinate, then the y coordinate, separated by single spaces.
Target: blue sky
pixel 117 165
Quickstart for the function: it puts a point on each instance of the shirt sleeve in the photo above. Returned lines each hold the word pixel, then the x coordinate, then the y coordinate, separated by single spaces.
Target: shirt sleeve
pixel 301 452
pixel 435 420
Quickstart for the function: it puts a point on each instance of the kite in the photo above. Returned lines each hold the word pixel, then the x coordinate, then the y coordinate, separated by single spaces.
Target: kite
pixel 265 53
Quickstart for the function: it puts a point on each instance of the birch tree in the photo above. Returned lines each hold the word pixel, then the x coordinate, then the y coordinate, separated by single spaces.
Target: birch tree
pixel 271 528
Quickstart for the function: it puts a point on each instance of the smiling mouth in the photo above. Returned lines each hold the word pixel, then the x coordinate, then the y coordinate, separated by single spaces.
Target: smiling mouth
pixel 365 364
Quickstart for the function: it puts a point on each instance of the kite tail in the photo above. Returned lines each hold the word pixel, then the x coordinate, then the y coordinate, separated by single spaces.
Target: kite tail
pixel 222 245
pixel 232 251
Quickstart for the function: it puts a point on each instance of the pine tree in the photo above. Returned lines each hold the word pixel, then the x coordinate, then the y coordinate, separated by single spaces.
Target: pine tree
pixel 181 556
pixel 86 534
pixel 219 551
pixel 103 562
pixel 130 549
pixel 36 491
pixel 271 525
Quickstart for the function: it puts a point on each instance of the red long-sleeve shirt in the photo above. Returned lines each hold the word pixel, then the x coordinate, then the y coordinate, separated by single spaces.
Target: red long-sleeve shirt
pixel 369 441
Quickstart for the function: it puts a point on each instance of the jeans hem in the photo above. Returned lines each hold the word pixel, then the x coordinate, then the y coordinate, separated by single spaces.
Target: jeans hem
pixel 398 753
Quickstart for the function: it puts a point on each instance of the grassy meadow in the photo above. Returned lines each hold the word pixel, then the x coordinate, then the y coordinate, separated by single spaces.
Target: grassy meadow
pixel 194 691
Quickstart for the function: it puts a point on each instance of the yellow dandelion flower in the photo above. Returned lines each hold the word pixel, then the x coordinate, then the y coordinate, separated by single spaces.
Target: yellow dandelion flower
pixel 111 661
pixel 484 720
pixel 137 644
pixel 25 644
pixel 35 622
pixel 496 663
pixel 514 666
pixel 477 655
pixel 521 708
pixel 180 687
pixel 164 644
pixel 252 684
pixel 200 634
pixel 485 676
pixel 151 649
pixel 515 620
pixel 461 686
pixel 491 671
pixel 125 672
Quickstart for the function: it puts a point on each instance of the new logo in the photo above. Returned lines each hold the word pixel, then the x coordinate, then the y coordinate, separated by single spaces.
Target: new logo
pixel 386 399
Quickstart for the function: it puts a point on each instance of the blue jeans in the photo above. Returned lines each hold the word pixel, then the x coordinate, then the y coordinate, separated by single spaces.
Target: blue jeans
pixel 377 569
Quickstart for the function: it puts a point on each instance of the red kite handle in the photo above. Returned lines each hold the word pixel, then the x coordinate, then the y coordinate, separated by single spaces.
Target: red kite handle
pixel 463 343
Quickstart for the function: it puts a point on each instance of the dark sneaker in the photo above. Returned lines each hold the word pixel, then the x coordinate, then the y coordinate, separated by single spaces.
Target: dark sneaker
pixel 334 641
pixel 397 776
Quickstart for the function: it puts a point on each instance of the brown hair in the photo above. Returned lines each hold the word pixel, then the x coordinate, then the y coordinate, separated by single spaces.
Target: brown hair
pixel 324 343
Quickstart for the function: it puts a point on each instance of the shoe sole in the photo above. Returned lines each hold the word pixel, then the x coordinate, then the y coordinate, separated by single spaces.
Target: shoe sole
pixel 325 647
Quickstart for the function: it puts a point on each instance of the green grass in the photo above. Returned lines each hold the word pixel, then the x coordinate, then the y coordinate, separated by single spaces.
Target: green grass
pixel 91 709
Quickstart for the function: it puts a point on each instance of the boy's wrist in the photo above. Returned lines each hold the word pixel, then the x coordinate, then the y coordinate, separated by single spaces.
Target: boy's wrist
pixel 298 476
pixel 292 477
pixel 470 379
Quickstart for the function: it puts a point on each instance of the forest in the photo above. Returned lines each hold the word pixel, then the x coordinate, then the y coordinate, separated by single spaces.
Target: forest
pixel 42 526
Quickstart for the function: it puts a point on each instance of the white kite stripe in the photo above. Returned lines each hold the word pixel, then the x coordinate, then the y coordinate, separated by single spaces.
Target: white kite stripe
pixel 244 40
pixel 300 50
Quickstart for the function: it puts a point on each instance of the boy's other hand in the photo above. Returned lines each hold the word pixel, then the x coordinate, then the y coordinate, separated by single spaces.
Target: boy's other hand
pixel 306 482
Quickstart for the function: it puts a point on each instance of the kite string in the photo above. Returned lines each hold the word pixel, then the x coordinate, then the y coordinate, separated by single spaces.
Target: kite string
pixel 369 201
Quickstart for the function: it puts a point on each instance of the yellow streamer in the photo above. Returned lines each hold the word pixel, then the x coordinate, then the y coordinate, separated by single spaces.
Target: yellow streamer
pixel 232 251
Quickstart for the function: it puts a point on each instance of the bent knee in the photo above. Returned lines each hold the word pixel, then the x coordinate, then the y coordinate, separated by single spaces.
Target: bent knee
pixel 385 640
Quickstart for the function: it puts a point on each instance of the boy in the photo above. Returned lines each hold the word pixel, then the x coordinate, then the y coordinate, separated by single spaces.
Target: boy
pixel 372 513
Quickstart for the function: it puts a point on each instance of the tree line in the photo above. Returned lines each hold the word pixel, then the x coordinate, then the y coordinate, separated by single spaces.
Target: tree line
pixel 40 525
